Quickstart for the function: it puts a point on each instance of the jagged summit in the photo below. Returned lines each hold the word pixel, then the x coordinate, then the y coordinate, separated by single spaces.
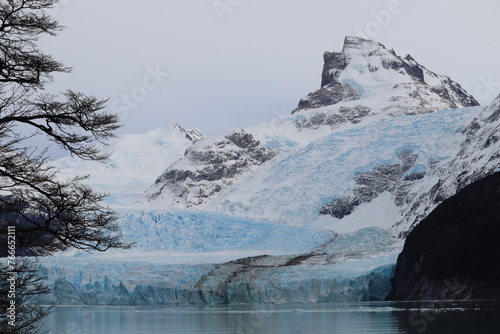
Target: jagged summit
pixel 192 134
pixel 367 73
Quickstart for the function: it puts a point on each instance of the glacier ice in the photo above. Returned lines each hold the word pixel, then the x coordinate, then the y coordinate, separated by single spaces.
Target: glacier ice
pixel 210 249
pixel 292 190
pixel 191 256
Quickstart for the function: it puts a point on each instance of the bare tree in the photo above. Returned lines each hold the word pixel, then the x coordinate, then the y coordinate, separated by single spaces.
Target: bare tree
pixel 22 317
pixel 47 213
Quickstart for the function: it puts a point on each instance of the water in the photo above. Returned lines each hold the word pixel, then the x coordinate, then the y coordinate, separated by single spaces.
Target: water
pixel 363 317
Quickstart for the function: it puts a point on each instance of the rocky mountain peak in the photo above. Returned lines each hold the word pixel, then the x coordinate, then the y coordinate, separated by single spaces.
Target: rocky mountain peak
pixel 191 134
pixel 358 45
pixel 366 69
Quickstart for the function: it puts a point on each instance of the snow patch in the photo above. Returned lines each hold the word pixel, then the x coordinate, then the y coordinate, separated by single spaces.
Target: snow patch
pixel 381 212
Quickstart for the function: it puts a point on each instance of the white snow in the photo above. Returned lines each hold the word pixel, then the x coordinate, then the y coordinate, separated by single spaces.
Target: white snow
pixel 135 161
pixel 291 190
pixel 181 255
pixel 381 212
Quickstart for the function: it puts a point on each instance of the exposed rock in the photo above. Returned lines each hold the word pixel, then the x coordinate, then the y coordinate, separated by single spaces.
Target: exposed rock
pixel 191 134
pixel 371 184
pixel 367 68
pixel 320 119
pixel 454 253
pixel 243 139
pixel 478 156
pixel 353 115
pixel 210 167
pixel 332 93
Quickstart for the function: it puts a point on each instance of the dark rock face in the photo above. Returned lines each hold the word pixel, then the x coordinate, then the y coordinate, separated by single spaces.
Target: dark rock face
pixel 212 167
pixel 332 93
pixel 425 91
pixel 373 183
pixel 334 61
pixel 353 115
pixel 479 156
pixel 454 253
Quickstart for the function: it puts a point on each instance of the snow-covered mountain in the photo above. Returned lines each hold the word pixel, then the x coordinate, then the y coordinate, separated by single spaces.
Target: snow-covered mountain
pixel 134 161
pixel 378 126
pixel 310 207
pixel 366 70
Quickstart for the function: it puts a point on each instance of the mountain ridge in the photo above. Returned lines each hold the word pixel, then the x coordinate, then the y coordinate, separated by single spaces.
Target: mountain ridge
pixel 365 68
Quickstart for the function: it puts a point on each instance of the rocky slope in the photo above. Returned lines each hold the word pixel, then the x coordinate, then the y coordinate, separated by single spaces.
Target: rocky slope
pixel 190 134
pixel 454 253
pixel 208 167
pixel 366 69
pixel 478 155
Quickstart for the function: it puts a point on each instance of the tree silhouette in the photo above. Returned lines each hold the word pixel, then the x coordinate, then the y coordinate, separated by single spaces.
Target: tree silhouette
pixel 47 213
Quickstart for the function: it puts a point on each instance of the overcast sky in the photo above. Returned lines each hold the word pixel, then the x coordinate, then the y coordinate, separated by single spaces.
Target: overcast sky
pixel 220 64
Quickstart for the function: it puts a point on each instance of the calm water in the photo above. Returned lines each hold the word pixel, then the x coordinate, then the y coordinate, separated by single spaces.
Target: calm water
pixel 379 317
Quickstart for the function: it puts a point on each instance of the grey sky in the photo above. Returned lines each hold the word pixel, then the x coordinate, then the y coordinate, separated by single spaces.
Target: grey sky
pixel 233 63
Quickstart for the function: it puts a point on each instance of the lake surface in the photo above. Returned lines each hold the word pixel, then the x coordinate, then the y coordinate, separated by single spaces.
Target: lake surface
pixel 364 317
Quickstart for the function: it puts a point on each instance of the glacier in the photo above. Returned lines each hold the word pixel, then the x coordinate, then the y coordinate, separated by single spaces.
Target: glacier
pixel 188 257
pixel 292 190
pixel 309 207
